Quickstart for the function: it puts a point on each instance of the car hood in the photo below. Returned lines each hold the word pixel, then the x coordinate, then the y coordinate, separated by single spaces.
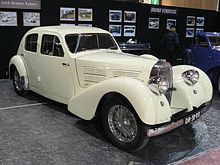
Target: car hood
pixel 97 66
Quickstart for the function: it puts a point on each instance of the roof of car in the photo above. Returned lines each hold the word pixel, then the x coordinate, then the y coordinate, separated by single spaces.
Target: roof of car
pixel 217 34
pixel 68 29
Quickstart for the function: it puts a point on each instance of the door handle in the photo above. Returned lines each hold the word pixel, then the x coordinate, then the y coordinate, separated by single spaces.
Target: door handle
pixel 65 64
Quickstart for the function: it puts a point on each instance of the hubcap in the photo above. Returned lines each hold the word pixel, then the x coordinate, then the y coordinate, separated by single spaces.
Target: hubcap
pixel 17 81
pixel 122 123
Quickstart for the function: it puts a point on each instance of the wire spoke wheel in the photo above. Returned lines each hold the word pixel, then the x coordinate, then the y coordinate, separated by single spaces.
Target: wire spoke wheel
pixel 122 123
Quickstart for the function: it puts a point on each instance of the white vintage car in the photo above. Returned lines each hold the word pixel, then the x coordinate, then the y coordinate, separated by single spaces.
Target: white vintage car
pixel 135 97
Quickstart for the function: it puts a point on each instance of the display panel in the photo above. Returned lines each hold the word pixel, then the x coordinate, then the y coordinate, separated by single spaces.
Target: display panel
pixel 31 19
pixel 171 22
pixel 21 4
pixel 129 31
pixel 190 32
pixel 85 14
pixel 67 14
pixel 8 18
pixel 130 16
pixel 115 30
pixel 115 15
pixel 190 20
pixel 153 23
pixel 200 21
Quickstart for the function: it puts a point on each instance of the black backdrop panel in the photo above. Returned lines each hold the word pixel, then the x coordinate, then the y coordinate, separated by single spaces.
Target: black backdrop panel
pixel 50 15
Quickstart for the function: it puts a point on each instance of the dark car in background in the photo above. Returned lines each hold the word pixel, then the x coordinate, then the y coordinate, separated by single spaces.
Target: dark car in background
pixel 204 53
pixel 134 47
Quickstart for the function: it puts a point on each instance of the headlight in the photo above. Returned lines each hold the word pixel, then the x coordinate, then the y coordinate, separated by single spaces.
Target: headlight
pixel 191 77
pixel 158 85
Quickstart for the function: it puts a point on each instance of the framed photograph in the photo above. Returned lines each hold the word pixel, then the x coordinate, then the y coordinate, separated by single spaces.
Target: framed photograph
pixel 130 16
pixel 115 30
pixel 171 22
pixel 8 18
pixel 31 19
pixel 200 21
pixel 85 14
pixel 190 21
pixel 190 32
pixel 67 14
pixel 115 15
pixel 153 23
pixel 199 30
pixel 129 30
pixel 85 25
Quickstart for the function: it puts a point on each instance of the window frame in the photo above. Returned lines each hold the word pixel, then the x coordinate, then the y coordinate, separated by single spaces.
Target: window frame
pixel 54 42
pixel 26 46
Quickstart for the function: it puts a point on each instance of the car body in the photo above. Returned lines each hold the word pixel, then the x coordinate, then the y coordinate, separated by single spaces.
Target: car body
pixel 204 53
pixel 135 97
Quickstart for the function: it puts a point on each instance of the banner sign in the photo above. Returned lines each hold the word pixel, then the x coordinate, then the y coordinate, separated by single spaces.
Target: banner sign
pixel 21 4
pixel 161 10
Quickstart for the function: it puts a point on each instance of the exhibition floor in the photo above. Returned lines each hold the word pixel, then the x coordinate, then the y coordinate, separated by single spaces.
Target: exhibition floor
pixel 35 130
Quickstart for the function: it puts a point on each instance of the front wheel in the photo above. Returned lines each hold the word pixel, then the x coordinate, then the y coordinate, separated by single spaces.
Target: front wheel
pixel 17 82
pixel 122 126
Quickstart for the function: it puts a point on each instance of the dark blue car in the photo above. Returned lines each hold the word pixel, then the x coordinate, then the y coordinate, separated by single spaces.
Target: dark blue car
pixel 204 53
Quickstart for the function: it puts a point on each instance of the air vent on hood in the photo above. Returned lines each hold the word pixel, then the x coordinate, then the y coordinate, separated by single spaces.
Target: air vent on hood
pixel 127 73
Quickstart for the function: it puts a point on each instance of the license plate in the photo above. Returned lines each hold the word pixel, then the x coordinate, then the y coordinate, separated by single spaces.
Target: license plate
pixel 192 118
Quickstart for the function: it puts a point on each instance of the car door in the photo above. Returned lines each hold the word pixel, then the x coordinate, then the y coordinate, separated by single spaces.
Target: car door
pixel 55 69
pixel 201 53
pixel 30 57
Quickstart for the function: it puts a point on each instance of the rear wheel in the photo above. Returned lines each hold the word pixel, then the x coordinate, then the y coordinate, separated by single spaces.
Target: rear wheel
pixel 218 85
pixel 122 126
pixel 17 82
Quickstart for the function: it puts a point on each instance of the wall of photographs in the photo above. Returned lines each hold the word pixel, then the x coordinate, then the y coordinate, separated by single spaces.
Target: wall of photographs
pixel 122 23
pixel 125 20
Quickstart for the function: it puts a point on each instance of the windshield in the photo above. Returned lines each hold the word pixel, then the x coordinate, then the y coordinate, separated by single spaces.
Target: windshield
pixel 83 42
pixel 214 40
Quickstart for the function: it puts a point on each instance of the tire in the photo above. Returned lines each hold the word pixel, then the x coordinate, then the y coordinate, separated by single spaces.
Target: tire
pixel 122 126
pixel 218 84
pixel 17 83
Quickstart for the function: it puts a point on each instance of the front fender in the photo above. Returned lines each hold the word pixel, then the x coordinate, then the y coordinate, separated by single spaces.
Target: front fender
pixel 18 62
pixel 186 96
pixel 150 108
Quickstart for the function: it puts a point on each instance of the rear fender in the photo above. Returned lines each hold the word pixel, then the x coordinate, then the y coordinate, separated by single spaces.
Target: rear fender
pixel 17 62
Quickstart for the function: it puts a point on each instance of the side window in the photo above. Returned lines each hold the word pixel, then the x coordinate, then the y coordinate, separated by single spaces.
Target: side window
pixel 71 41
pixel 31 42
pixel 202 42
pixel 106 42
pixel 88 42
pixel 51 46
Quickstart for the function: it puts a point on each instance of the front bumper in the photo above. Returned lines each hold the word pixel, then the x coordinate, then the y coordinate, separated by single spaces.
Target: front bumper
pixel 178 120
